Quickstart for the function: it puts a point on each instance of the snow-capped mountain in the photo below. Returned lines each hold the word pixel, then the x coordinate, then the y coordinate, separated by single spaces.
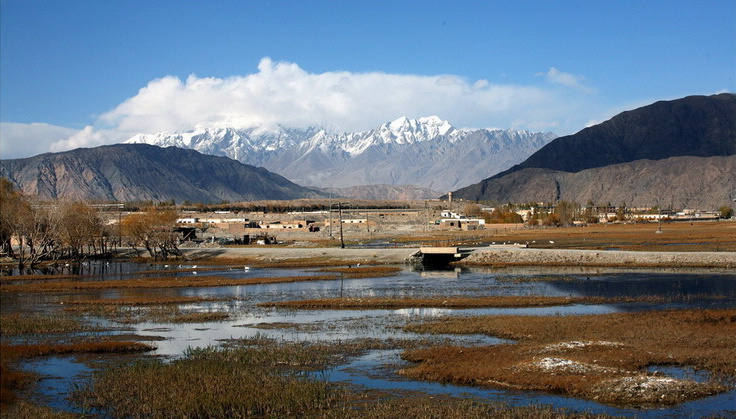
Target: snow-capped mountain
pixel 427 152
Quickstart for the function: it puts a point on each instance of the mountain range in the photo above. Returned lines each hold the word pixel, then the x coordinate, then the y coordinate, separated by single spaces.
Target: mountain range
pixel 427 152
pixel 680 152
pixel 135 172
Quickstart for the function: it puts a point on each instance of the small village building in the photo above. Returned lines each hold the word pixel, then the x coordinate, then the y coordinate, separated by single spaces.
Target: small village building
pixel 347 221
pixel 462 223
pixel 188 220
pixel 283 225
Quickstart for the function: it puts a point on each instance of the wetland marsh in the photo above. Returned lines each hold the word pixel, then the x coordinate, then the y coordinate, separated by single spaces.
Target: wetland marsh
pixel 352 340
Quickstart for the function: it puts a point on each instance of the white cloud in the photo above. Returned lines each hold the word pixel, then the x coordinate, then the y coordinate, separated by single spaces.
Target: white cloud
pixel 88 137
pixel 282 93
pixel 24 140
pixel 566 79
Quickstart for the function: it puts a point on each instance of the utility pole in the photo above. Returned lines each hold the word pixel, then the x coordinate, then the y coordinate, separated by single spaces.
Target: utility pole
pixel 426 216
pixel 339 212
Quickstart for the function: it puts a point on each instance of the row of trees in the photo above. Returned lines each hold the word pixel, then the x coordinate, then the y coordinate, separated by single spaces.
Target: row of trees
pixel 31 233
pixel 563 213
pixel 560 214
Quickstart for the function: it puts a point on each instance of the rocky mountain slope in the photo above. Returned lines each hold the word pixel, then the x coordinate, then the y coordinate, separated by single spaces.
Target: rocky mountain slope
pixel 132 172
pixel 427 152
pixel 383 192
pixel 678 152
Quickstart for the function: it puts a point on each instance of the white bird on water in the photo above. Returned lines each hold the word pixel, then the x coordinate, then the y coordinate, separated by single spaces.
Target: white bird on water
pixel 246 268
pixel 552 242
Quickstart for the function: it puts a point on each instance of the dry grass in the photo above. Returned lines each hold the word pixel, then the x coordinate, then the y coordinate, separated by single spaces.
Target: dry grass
pixel 200 317
pixel 600 357
pixel 10 382
pixel 15 352
pixel 166 313
pixel 364 272
pixel 195 281
pixel 144 301
pixel 243 381
pixel 9 278
pixel 15 324
pixel 26 410
pixel 377 405
pixel 159 282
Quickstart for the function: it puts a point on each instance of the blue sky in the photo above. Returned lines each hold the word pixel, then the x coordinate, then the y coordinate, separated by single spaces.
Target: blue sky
pixel 84 73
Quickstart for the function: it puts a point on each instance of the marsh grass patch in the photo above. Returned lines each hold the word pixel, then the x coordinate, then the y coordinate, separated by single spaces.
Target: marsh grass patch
pixel 17 324
pixel 193 281
pixel 599 357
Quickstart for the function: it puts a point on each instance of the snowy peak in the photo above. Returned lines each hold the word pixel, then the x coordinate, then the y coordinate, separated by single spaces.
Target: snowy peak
pixel 427 151
pixel 409 131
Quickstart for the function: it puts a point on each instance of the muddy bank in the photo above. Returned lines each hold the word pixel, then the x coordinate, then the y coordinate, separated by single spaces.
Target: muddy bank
pixel 608 258
pixel 289 254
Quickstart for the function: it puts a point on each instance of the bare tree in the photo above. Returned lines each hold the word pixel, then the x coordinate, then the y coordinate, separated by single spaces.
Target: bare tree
pixel 154 230
pixel 78 226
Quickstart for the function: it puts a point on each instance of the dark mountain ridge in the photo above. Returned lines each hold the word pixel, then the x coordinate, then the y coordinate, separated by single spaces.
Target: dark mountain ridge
pixel 694 126
pixel 131 172
pixel 700 126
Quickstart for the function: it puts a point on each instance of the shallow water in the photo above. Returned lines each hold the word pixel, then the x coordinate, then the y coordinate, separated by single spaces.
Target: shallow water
pixel 687 289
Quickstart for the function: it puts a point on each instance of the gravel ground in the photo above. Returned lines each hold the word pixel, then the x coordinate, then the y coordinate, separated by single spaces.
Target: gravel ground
pixel 615 258
pixel 487 256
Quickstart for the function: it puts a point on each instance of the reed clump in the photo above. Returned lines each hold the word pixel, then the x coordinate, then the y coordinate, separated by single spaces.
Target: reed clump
pixel 36 277
pixel 15 352
pixel 22 409
pixel 355 271
pixel 600 357
pixel 388 406
pixel 11 381
pixel 15 324
pixel 165 313
pixel 242 381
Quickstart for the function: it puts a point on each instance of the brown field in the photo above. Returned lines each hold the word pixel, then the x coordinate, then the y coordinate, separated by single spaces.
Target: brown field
pixel 599 357
pixel 706 236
